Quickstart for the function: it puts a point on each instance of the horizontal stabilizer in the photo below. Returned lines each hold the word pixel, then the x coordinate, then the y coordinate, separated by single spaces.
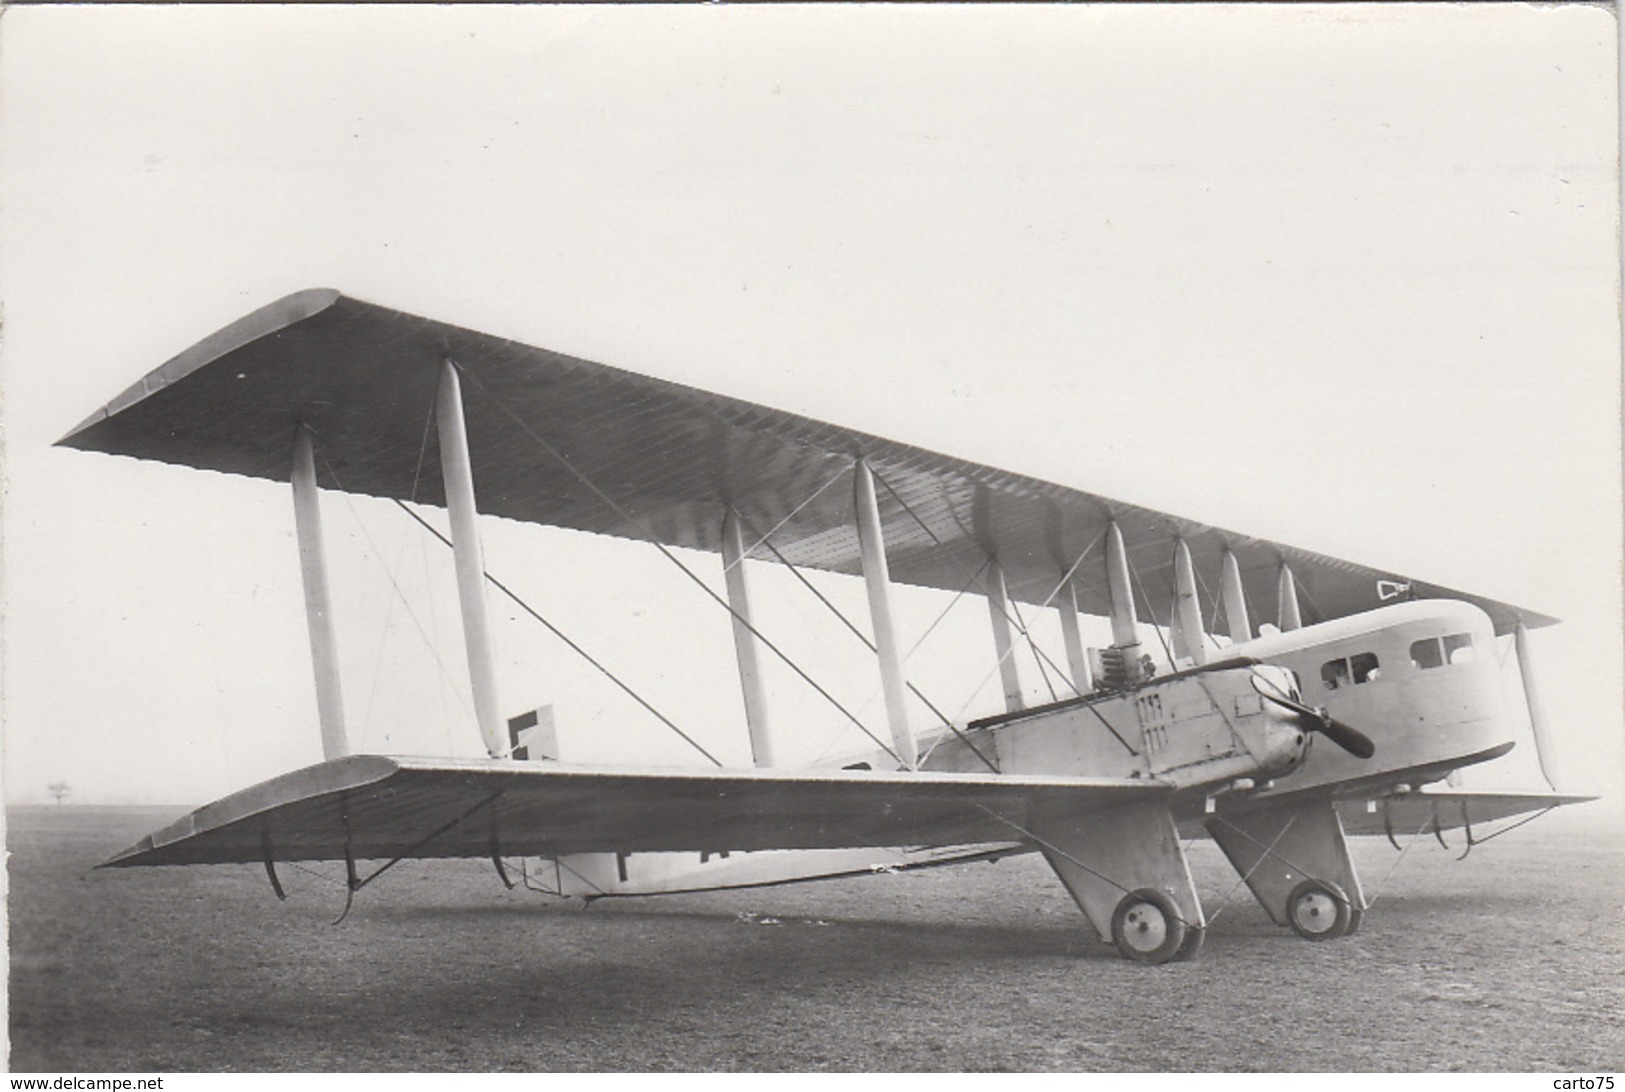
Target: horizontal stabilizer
pixel 1433 812
pixel 372 807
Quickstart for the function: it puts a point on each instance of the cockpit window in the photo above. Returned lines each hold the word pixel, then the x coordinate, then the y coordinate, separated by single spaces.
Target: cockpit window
pixel 1362 668
pixel 1425 654
pixel 1432 652
pixel 1458 648
pixel 1335 674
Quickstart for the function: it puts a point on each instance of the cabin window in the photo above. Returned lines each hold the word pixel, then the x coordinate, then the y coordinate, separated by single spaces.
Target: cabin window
pixel 1454 649
pixel 1357 669
pixel 1426 654
pixel 1458 648
pixel 1335 675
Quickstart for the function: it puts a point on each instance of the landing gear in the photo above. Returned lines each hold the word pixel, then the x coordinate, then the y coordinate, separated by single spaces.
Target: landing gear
pixel 1319 910
pixel 1295 858
pixel 1126 869
pixel 1146 927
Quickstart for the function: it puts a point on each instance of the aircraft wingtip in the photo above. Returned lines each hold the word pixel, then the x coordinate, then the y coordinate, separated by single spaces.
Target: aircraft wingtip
pixel 267 320
pixel 67 438
pixel 125 858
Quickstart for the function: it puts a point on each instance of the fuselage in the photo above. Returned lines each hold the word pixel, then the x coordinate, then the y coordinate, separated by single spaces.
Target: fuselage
pixel 1420 678
pixel 1197 730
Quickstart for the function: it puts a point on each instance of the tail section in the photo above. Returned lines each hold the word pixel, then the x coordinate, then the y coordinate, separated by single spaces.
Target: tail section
pixel 534 736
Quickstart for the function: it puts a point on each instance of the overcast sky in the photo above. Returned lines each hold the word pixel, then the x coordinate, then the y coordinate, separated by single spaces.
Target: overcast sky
pixel 1340 276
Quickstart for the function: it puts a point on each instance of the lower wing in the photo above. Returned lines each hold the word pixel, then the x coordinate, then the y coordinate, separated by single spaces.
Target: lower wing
pixel 371 807
pixel 1434 812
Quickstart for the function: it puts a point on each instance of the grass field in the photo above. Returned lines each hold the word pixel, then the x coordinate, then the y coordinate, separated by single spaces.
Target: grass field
pixel 1513 960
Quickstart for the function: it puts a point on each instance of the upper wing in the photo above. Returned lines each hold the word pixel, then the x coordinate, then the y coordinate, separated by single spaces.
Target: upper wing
pixel 368 806
pixel 1430 812
pixel 668 458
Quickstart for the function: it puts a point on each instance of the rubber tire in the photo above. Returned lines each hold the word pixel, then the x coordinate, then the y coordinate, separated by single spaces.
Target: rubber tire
pixel 1194 937
pixel 1342 923
pixel 1172 943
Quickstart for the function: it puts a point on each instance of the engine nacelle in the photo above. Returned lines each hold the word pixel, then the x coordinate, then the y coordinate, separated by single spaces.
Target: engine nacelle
pixel 1210 726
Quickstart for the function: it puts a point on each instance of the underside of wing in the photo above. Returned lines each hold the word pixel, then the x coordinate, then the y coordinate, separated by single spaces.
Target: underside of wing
pixel 564 442
pixel 372 807
pixel 1410 814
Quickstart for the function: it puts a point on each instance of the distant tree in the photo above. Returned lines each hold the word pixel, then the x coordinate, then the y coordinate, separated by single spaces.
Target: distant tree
pixel 58 789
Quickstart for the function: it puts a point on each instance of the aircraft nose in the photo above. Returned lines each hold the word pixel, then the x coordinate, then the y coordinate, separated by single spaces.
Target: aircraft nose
pixel 1307 719
pixel 1286 743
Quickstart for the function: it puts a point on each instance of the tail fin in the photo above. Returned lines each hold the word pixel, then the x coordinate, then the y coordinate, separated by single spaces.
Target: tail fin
pixel 534 736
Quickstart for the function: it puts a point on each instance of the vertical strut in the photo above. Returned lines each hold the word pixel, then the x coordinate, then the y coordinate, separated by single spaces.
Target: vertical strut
pixel 750 676
pixel 457 471
pixel 1287 593
pixel 998 610
pixel 1188 636
pixel 1124 618
pixel 307 522
pixel 1235 600
pixel 1537 711
pixel 877 581
pixel 1076 661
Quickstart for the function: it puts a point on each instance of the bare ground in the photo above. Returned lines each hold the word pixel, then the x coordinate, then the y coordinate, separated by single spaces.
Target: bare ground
pixel 1509 961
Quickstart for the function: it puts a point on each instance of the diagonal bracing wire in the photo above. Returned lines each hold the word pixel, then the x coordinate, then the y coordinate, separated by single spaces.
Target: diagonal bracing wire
pixel 975 577
pixel 1037 652
pixel 1064 855
pixel 1219 606
pixel 389 612
pixel 870 645
pixel 943 614
pixel 633 522
pixel 400 594
pixel 796 572
pixel 1050 598
pixel 1309 595
pixel 1383 883
pixel 762 540
pixel 1043 672
pixel 528 609
pixel 1269 851
pixel 850 625
pixel 1150 609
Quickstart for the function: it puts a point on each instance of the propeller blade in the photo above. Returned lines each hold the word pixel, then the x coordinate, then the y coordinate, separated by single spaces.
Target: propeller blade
pixel 1346 736
pixel 1351 739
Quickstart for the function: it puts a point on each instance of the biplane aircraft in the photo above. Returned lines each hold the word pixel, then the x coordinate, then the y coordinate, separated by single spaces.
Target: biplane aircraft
pixel 1278 739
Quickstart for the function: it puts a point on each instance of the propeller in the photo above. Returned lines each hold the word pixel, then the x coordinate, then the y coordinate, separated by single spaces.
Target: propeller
pixel 1351 739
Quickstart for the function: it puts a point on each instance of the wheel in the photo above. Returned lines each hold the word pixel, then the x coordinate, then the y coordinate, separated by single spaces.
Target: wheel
pixel 1146 927
pixel 1193 944
pixel 1356 916
pixel 1319 910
